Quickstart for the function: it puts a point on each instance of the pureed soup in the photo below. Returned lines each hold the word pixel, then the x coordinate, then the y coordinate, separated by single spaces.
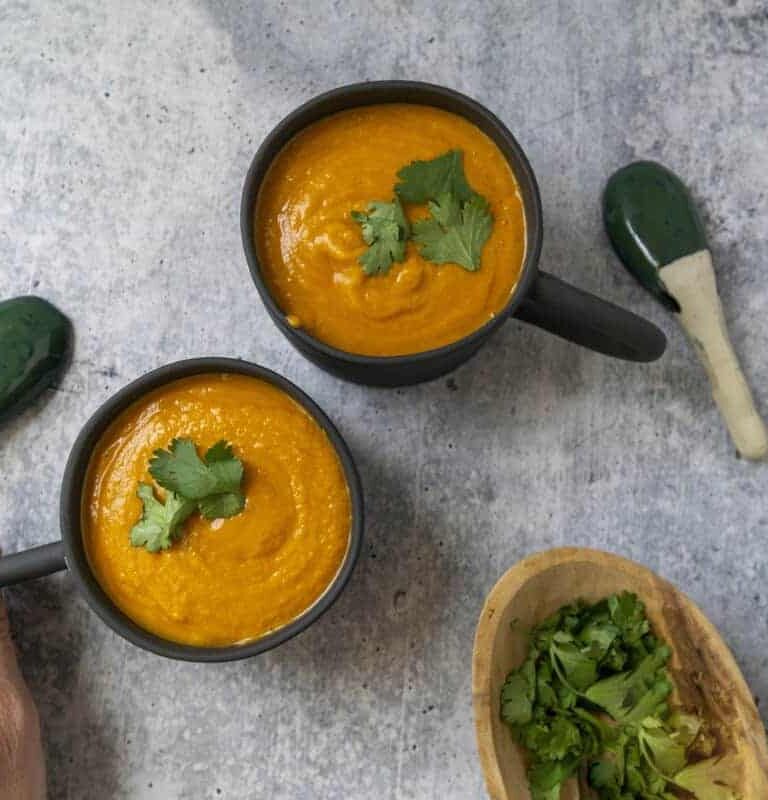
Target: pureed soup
pixel 309 243
pixel 222 581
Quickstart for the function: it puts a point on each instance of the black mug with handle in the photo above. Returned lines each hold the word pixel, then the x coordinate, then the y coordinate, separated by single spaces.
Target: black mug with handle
pixel 70 552
pixel 539 298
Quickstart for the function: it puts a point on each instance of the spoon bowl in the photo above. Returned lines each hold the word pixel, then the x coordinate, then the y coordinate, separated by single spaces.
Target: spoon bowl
pixel 703 670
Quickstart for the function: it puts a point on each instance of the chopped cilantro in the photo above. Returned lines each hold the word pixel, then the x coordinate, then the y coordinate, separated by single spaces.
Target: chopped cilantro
pixel 711 779
pixel 385 230
pixel 589 663
pixel 517 696
pixel 661 748
pixel 576 669
pixel 636 694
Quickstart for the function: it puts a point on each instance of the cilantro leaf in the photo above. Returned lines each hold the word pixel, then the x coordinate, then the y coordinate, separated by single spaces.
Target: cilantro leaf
pixel 546 696
pixel 631 696
pixel 592 699
pixel 555 738
pixel 180 470
pixel 421 181
pixel 541 792
pixel 711 779
pixel 226 469
pixel 660 748
pixel 576 670
pixel 385 230
pixel 517 695
pixel 546 779
pixel 628 613
pixel 160 522
pixel 597 637
pixel 455 232
pixel 605 774
pixel 220 506
pixel 686 726
pixel 221 451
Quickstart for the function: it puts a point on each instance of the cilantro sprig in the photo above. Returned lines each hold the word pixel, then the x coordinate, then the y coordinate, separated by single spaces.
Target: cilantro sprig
pixel 454 233
pixel 180 470
pixel 160 522
pixel 592 698
pixel 210 485
pixel 457 228
pixel 385 230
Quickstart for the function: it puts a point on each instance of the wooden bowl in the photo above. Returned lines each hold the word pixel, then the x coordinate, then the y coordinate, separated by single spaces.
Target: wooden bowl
pixel 703 669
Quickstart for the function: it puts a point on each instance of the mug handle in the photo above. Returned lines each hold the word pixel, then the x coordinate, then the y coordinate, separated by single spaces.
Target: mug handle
pixel 585 319
pixel 33 563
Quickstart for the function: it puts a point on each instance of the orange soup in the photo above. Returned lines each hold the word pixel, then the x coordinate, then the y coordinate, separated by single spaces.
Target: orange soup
pixel 309 244
pixel 229 580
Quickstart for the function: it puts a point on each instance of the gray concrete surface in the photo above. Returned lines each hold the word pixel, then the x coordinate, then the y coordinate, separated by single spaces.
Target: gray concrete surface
pixel 125 132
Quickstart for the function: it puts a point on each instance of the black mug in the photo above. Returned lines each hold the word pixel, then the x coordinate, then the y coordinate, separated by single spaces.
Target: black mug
pixel 538 298
pixel 69 553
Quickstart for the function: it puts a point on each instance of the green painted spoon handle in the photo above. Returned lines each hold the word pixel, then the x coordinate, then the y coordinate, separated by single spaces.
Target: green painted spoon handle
pixel 691 281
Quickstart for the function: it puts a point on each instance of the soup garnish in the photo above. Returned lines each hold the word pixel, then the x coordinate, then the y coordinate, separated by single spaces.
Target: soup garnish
pixel 458 225
pixel 210 485
pixel 385 231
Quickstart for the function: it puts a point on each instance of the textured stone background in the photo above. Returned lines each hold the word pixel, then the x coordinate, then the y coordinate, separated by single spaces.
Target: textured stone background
pixel 125 133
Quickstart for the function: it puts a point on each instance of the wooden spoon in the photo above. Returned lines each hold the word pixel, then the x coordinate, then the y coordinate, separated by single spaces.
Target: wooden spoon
pixel 655 229
pixel 704 672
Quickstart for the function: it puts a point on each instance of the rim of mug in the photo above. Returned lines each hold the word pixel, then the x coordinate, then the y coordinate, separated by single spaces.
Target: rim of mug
pixel 356 95
pixel 72 501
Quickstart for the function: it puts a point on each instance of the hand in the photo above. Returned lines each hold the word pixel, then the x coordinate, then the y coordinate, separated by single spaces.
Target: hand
pixel 22 766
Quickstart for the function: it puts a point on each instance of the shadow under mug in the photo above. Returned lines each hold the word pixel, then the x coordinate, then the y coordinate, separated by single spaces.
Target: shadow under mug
pixel 70 553
pixel 538 298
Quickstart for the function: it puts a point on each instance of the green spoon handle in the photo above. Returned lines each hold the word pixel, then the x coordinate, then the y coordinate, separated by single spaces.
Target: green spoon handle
pixel 691 281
